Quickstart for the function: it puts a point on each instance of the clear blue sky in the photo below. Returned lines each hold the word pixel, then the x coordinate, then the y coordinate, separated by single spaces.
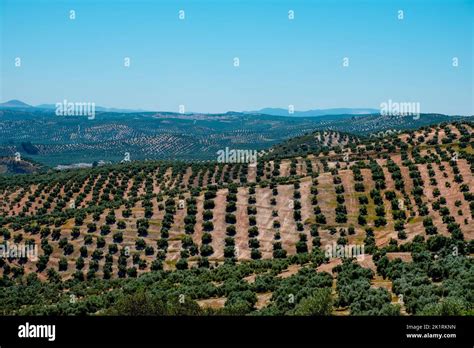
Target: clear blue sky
pixel 282 62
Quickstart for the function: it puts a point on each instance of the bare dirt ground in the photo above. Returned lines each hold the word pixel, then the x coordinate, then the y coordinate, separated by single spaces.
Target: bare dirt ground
pixel 289 235
pixel 350 196
pixel 265 221
pixel 327 197
pixel 307 214
pixel 219 233
pixel 242 238
pixel 291 270
pixel 214 303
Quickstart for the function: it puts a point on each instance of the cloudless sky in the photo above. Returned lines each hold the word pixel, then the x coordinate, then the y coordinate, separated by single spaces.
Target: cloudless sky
pixel 190 62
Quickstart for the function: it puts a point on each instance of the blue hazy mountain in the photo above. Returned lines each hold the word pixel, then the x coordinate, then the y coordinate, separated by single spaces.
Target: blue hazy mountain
pixel 97 108
pixel 315 112
pixel 14 103
pixel 18 104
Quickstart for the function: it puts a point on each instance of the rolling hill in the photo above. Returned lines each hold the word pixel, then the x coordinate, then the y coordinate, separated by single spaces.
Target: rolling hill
pixel 66 140
pixel 236 238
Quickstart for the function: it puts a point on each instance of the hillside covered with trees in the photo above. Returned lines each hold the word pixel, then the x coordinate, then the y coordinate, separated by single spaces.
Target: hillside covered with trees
pixel 207 238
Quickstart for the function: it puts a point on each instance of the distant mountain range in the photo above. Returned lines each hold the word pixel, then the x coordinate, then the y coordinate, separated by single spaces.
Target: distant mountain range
pixel 315 112
pixel 14 104
pixel 18 104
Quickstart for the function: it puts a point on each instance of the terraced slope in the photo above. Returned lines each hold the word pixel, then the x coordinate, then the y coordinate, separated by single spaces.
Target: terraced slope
pixel 260 238
pixel 376 192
